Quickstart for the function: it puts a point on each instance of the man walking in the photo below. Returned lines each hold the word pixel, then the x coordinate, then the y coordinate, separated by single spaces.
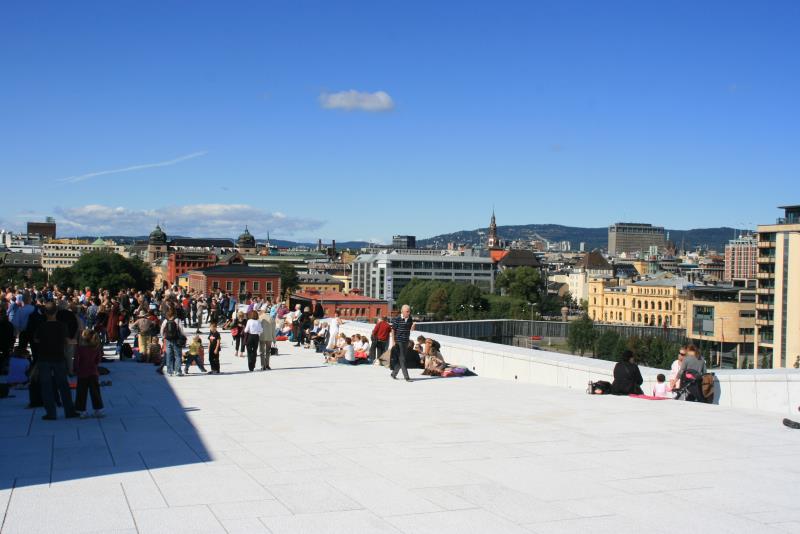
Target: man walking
pixel 402 327
pixel 51 338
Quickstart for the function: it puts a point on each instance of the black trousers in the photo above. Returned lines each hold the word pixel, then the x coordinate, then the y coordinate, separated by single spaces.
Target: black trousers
pixel 89 385
pixel 252 350
pixel 213 359
pixel 402 350
pixel 377 348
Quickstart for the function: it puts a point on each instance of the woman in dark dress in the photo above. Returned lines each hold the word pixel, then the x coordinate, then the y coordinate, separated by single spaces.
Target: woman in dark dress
pixel 627 377
pixel 112 328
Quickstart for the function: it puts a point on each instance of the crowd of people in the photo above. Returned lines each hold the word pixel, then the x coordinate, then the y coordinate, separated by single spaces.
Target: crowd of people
pixel 53 340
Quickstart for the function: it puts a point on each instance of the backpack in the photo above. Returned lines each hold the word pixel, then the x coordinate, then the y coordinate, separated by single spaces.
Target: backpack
pixel 171 331
pixel 126 352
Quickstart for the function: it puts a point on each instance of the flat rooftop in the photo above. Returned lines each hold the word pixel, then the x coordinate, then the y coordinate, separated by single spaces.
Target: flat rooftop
pixel 315 448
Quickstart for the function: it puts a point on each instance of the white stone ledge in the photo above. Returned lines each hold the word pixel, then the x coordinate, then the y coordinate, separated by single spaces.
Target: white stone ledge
pixel 771 390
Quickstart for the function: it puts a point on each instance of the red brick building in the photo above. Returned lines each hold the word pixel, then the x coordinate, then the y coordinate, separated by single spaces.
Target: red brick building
pixel 181 262
pixel 349 306
pixel 237 279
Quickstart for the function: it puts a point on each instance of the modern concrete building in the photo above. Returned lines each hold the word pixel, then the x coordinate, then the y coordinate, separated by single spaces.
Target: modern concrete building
pixel 404 241
pixel 64 255
pixel 722 318
pixel 778 305
pixel 46 230
pixel 634 238
pixel 384 275
pixel 741 258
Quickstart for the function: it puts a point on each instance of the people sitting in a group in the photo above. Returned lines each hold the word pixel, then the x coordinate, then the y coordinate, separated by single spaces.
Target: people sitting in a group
pixel 320 338
pixel 345 355
pixel 627 377
pixel 434 361
pixel 361 346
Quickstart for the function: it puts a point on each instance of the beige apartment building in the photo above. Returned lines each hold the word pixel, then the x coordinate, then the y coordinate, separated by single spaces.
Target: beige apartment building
pixel 66 254
pixel 778 304
pixel 656 302
pixel 719 318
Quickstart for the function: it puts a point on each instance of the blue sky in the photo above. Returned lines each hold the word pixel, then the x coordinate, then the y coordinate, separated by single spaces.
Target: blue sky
pixel 358 120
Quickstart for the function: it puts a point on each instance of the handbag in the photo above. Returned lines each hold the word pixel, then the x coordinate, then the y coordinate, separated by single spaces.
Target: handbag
pixel 235 331
pixel 273 350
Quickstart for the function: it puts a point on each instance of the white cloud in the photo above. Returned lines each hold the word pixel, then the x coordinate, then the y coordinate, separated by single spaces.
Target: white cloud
pixel 82 177
pixel 357 100
pixel 197 220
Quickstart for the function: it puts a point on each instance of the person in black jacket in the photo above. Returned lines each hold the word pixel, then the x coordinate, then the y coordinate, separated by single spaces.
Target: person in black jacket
pixel 627 377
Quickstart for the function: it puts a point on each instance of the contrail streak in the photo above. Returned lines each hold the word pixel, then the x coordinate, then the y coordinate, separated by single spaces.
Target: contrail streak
pixel 82 177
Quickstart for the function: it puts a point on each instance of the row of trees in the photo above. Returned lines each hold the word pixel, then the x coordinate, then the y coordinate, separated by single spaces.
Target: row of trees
pixel 524 297
pixel 652 351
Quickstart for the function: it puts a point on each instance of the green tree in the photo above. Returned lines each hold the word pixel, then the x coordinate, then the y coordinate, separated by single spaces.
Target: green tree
pixel 437 304
pixel 581 335
pixel 22 277
pixel 106 270
pixel 524 283
pixel 289 279
pixel 606 345
pixel 467 302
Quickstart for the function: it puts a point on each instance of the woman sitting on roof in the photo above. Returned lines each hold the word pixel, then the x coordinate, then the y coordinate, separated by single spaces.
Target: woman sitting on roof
pixel 627 377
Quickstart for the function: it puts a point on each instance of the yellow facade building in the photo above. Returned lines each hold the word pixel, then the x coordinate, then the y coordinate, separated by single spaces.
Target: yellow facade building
pixel 656 302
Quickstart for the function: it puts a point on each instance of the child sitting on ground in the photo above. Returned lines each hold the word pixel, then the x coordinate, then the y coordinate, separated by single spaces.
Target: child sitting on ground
pixel 88 354
pixel 195 354
pixel 661 389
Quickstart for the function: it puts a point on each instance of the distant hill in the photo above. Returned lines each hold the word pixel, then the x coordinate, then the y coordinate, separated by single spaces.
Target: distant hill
pixel 128 240
pixel 710 238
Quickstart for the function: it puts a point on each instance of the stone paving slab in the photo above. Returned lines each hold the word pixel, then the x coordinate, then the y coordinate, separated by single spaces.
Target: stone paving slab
pixel 311 447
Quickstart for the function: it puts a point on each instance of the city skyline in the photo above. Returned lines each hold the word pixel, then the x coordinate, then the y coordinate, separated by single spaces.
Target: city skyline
pixel 301 120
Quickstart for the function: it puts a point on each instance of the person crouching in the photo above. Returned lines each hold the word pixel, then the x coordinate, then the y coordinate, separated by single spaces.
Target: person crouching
pixel 195 354
pixel 88 355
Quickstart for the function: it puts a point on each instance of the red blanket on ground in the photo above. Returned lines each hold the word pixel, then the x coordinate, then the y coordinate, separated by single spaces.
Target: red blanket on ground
pixel 648 397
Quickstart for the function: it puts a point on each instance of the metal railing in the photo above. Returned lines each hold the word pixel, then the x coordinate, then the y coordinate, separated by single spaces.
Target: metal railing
pixel 506 330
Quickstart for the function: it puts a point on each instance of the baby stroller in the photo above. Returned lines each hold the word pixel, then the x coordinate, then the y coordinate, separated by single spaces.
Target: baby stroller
pixel 691 387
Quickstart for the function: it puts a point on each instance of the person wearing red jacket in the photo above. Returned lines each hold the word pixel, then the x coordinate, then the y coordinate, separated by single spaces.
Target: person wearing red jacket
pixel 380 338
pixel 87 357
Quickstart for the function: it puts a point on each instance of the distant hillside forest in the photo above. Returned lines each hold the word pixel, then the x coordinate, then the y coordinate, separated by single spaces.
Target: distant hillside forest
pixel 706 238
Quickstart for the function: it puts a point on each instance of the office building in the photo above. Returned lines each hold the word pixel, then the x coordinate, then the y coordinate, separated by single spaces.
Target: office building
pixel 384 275
pixel 66 254
pixel 635 238
pixel 778 292
pixel 404 241
pixel 741 258
pixel 45 230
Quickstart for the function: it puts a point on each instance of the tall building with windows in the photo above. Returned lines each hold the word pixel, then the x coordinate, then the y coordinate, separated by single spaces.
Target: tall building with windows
pixel 635 238
pixel 384 275
pixel 66 254
pixel 404 241
pixel 740 258
pixel 778 292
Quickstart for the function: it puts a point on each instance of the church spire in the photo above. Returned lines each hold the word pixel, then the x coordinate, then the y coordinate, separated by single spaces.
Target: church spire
pixel 492 241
